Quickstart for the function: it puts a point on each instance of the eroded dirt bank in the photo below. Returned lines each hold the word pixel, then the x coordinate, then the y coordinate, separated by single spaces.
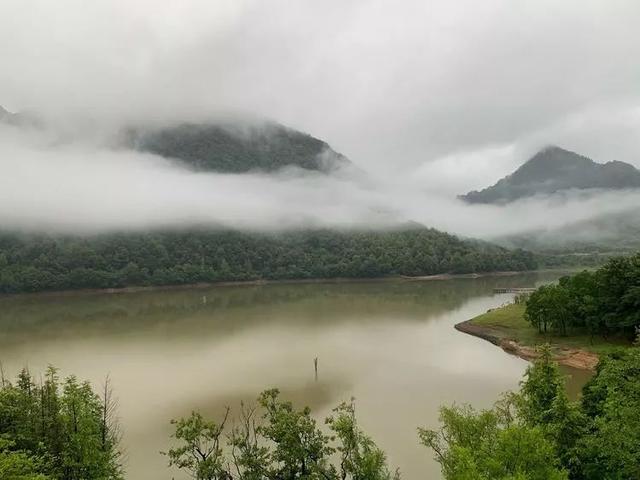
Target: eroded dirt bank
pixel 571 357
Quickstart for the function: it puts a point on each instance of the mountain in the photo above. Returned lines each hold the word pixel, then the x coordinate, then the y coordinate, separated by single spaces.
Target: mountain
pixel 227 146
pixel 554 169
pixel 238 148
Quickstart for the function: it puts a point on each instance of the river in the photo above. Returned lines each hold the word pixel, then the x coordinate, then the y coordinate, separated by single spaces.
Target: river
pixel 389 344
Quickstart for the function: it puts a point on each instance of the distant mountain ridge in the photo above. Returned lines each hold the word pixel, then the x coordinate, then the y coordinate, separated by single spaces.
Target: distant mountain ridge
pixel 555 169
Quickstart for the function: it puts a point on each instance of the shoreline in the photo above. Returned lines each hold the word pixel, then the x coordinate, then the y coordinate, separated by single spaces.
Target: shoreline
pixel 569 357
pixel 239 283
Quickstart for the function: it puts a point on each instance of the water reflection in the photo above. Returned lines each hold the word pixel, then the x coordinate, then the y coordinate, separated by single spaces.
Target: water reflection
pixel 389 344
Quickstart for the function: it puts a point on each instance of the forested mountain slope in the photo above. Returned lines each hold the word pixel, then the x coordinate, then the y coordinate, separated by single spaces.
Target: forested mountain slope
pixel 238 147
pixel 31 263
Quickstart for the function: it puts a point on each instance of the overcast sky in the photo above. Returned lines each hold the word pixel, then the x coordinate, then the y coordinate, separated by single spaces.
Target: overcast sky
pixel 438 96
pixel 388 83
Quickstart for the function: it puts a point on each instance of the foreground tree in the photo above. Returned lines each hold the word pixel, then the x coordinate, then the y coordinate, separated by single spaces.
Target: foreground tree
pixel 360 457
pixel 58 430
pixel 610 448
pixel 543 403
pixel 491 445
pixel 17 465
pixel 274 441
pixel 541 386
pixel 200 450
pixel 539 434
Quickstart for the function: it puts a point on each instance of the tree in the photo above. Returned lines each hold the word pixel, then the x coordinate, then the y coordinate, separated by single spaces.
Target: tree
pixel 605 301
pixel 538 309
pixel 543 403
pixel 490 444
pixel 541 386
pixel 300 450
pixel 360 458
pixel 200 452
pixel 17 465
pixel 275 441
pixel 611 401
pixel 59 431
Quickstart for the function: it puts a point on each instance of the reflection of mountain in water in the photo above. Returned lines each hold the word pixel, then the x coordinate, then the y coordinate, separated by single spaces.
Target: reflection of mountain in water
pixel 223 310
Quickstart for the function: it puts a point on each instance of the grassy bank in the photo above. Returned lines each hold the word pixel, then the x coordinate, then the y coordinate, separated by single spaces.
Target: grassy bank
pixel 507 328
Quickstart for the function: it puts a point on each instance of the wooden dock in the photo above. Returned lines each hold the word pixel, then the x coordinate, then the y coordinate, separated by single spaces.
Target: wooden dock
pixel 514 290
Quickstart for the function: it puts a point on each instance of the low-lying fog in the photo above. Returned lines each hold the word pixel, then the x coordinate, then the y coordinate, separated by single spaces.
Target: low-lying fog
pixel 85 187
pixel 430 98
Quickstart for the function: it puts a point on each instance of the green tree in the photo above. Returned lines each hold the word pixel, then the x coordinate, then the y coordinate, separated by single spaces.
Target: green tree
pixel 200 450
pixel 610 449
pixel 360 458
pixel 17 465
pixel 300 449
pixel 490 445
pixel 541 386
pixel 275 441
pixel 64 431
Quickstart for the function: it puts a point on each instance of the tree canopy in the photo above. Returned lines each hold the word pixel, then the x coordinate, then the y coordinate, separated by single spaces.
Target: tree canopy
pixel 30 263
pixel 604 301
pixel 58 430
pixel 539 433
pixel 275 441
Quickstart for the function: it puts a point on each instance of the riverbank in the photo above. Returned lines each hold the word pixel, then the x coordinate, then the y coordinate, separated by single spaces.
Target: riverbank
pixel 191 286
pixel 507 328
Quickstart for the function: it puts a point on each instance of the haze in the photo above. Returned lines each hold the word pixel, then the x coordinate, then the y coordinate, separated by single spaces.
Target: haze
pixel 430 99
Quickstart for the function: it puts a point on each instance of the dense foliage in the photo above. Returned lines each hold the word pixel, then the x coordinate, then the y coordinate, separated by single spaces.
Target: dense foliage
pixel 559 260
pixel 604 301
pixel 63 430
pixel 277 442
pixel 57 430
pixel 30 263
pixel 237 148
pixel 538 434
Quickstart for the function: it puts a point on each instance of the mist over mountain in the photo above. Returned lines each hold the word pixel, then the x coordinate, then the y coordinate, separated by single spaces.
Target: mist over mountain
pixel 4 114
pixel 619 231
pixel 554 170
pixel 238 147
pixel 18 119
pixel 241 173
pixel 226 146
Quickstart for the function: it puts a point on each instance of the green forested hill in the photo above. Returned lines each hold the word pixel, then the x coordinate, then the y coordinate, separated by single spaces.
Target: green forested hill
pixel 31 263
pixel 237 148
pixel 554 169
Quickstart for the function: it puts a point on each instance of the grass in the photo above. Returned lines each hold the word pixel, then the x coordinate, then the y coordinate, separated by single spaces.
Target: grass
pixel 508 321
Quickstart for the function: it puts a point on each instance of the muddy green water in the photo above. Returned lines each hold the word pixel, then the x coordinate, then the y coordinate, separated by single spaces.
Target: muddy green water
pixel 390 344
